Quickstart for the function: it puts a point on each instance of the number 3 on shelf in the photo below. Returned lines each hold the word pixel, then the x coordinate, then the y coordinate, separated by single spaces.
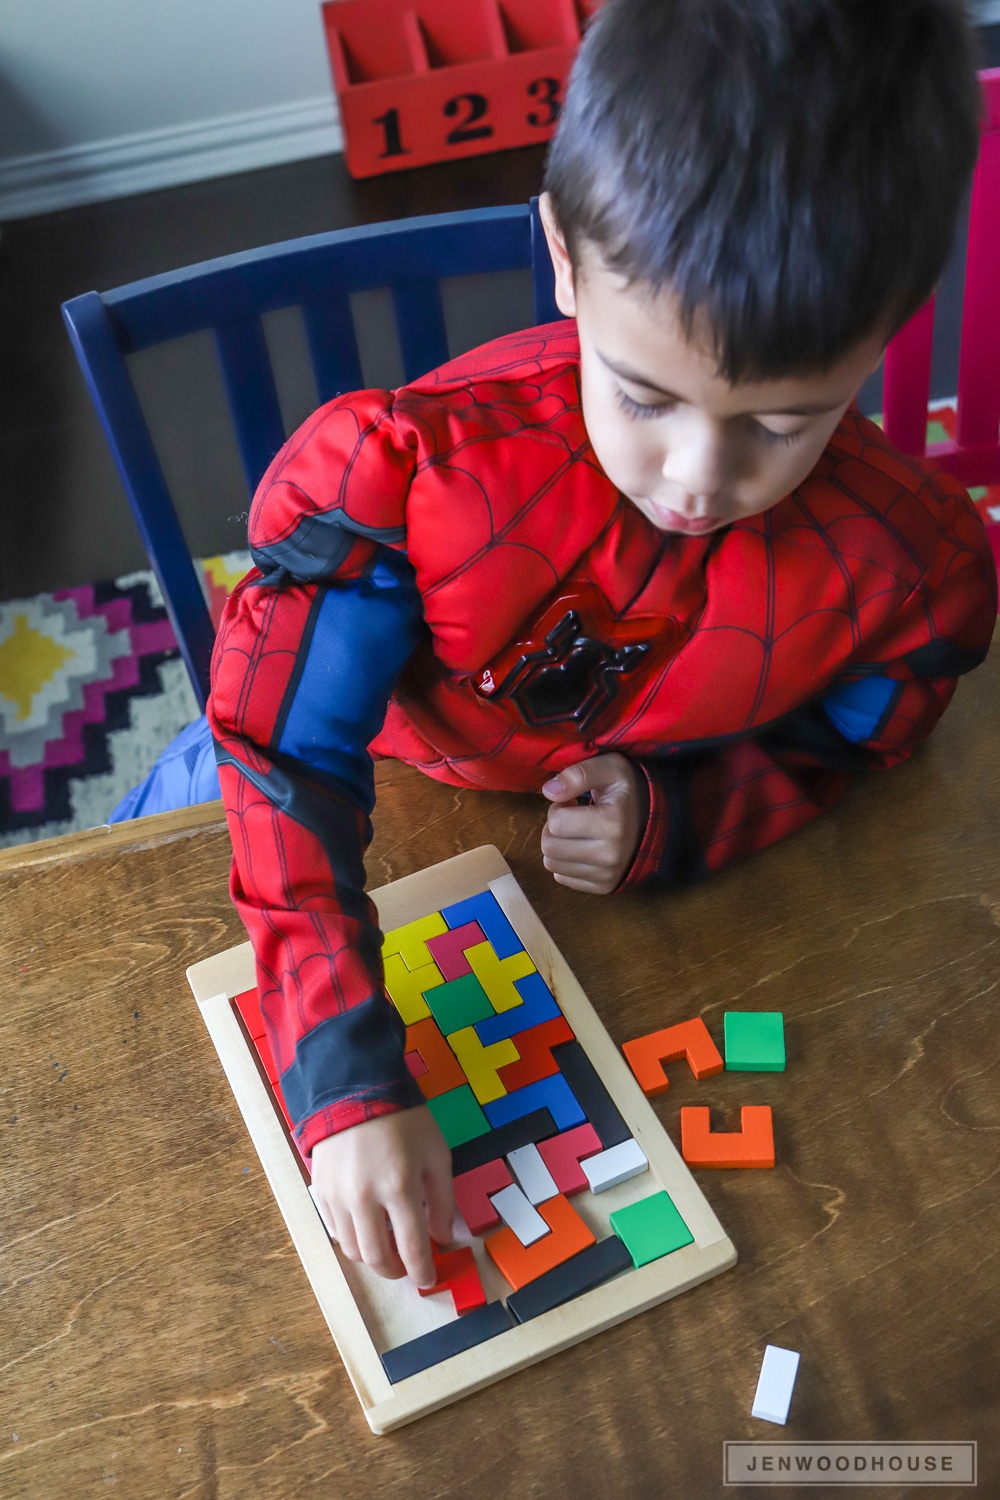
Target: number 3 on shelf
pixel 546 91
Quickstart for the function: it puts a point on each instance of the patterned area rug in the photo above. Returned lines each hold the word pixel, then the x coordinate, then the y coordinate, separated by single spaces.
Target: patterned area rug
pixel 92 687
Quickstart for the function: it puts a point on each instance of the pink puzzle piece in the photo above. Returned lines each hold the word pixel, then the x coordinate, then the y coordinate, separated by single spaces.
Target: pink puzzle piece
pixel 563 1153
pixel 472 1194
pixel 416 1064
pixel 448 949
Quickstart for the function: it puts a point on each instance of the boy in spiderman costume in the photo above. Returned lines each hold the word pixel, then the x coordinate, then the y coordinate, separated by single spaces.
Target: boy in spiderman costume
pixel 652 556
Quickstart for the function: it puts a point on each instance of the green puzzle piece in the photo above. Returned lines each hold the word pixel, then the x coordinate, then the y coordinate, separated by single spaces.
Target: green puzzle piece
pixel 755 1041
pixel 460 1002
pixel 650 1228
pixel 458 1115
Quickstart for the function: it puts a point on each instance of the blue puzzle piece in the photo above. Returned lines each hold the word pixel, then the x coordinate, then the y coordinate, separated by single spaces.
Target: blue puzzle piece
pixel 553 1094
pixel 539 1005
pixel 487 911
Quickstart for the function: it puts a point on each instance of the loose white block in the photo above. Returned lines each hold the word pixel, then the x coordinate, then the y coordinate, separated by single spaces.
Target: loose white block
pixel 537 1182
pixel 319 1209
pixel 776 1383
pixel 518 1214
pixel 608 1168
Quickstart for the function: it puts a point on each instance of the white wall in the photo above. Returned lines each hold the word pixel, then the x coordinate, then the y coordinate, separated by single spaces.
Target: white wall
pixel 103 97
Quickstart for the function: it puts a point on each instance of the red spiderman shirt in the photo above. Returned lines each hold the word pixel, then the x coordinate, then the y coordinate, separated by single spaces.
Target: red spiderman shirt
pixel 445 574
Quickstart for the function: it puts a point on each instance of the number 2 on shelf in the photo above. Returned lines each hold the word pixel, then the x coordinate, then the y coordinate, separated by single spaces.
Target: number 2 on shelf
pixel 468 130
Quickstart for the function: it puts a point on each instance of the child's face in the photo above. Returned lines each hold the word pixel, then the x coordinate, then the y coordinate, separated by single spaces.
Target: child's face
pixel 691 451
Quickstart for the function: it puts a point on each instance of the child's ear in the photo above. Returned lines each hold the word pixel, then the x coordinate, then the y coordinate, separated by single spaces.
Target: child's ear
pixel 562 264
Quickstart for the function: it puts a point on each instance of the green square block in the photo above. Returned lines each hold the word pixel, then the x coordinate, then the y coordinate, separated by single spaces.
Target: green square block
pixel 458 1115
pixel 458 1003
pixel 755 1041
pixel 650 1228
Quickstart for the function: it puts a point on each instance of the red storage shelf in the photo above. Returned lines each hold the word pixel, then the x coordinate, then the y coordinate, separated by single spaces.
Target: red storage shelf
pixel 427 80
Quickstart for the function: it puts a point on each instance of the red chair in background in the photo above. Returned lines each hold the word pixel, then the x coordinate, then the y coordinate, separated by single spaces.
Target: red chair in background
pixel 973 455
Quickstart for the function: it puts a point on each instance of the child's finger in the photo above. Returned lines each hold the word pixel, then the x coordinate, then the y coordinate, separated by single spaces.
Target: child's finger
pixel 573 822
pixel 413 1242
pixel 377 1251
pixel 586 776
pixel 343 1228
pixel 439 1197
pixel 560 852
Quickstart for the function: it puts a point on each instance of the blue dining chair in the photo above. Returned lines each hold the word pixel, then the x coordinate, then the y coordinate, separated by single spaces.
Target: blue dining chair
pixel 229 296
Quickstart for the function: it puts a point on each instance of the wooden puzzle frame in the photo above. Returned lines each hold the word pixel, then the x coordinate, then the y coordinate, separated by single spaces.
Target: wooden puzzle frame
pixel 386 1406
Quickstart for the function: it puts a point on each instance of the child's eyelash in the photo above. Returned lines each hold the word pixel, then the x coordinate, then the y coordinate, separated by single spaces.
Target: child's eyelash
pixel 772 438
pixel 638 408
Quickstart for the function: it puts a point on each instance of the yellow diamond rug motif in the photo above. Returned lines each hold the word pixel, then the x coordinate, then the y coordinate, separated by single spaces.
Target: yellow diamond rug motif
pixel 28 660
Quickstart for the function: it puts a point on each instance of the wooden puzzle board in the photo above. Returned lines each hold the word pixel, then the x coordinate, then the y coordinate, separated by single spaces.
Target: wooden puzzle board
pixel 368 1315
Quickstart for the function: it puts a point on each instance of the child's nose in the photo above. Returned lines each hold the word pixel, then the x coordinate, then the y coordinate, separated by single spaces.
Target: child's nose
pixel 695 461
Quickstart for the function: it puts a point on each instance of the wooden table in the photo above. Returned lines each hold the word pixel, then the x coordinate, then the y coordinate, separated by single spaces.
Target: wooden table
pixel 159 1337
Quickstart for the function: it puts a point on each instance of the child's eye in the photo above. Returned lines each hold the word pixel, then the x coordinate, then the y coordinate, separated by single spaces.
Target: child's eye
pixel 639 408
pixel 773 439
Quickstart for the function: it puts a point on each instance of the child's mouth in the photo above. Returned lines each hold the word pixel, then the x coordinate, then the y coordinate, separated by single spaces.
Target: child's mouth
pixel 672 520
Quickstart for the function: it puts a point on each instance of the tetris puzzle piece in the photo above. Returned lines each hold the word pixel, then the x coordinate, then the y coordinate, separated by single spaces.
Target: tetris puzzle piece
pixel 418 1068
pixel 750 1146
pixel 441 1343
pixel 534 1052
pixel 448 950
pixel 441 1069
pixel 617 1164
pixel 775 1384
pixel 534 1178
pixel 598 1106
pixel 755 1041
pixel 487 911
pixel 458 1115
pixel 480 1063
pixel 458 1274
pixel 536 1126
pixel 497 975
pixel 651 1228
pixel 691 1039
pixel 520 1264
pixel 248 1005
pixel 519 1215
pixel 407 986
pixel 459 1003
pixel 553 1094
pixel 537 1005
pixel 562 1154
pixel 581 1273
pixel 410 942
pixel 472 1194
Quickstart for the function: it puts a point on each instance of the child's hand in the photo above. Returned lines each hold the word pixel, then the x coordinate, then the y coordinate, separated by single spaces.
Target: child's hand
pixel 590 848
pixel 396 1170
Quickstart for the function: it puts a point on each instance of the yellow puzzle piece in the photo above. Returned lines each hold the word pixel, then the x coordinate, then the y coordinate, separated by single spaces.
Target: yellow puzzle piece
pixel 410 942
pixel 497 975
pixel 406 987
pixel 479 1063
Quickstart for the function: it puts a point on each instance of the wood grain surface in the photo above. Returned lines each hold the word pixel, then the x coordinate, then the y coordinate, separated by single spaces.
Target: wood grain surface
pixel 158 1336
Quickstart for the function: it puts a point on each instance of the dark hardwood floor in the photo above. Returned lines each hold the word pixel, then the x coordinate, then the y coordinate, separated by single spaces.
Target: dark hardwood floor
pixel 64 519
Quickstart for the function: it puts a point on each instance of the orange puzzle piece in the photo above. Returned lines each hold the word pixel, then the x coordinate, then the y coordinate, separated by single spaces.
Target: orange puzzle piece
pixel 443 1071
pixel 523 1263
pixel 691 1039
pixel 750 1146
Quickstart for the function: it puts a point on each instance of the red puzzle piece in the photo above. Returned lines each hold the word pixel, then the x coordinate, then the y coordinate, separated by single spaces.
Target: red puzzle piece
pixel 442 1071
pixel 248 1005
pixel 416 1064
pixel 458 1274
pixel 562 1154
pixel 448 949
pixel 691 1039
pixel 750 1146
pixel 472 1194
pixel 534 1054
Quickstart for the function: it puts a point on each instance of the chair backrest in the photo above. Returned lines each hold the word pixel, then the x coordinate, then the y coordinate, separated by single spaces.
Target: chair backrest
pixel 973 456
pixel 229 296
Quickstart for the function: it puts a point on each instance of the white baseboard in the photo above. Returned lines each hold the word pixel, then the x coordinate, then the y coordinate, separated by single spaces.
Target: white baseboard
pixel 50 180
